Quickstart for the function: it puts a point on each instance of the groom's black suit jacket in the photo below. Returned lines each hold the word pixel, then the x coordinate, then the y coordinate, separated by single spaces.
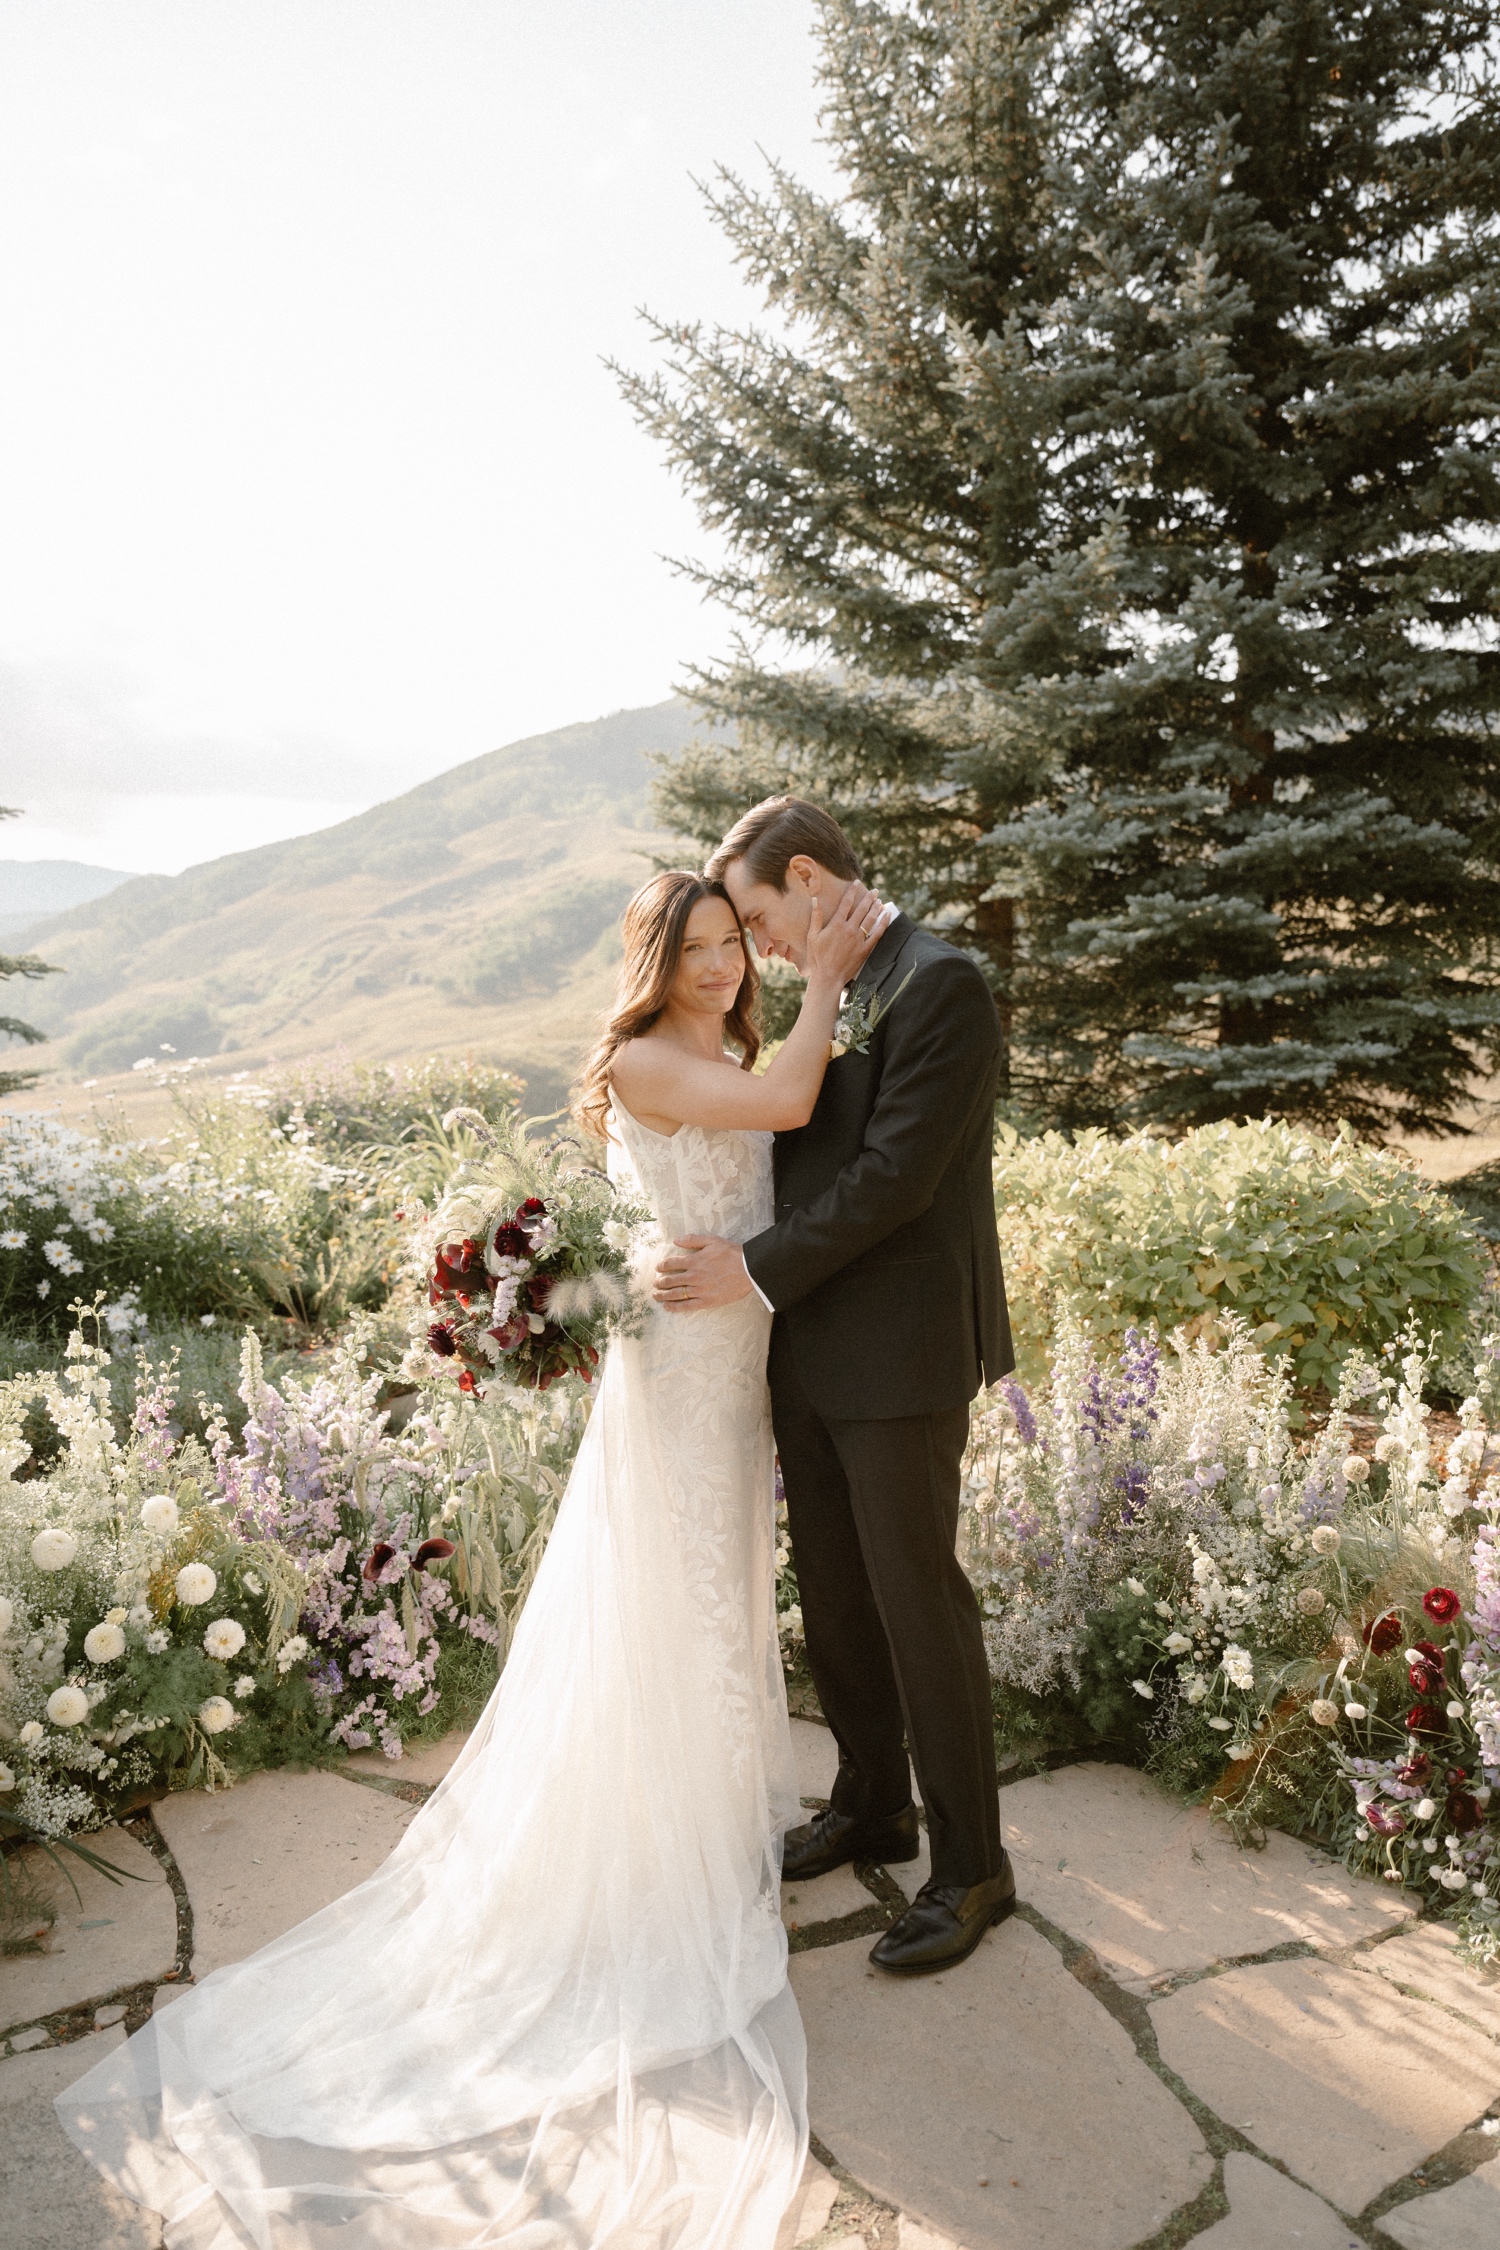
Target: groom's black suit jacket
pixel 883 1261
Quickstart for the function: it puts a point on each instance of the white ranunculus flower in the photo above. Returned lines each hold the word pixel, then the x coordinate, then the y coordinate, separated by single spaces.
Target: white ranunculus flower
pixel 1177 1644
pixel 1222 1726
pixel 159 1513
pixel 1311 1599
pixel 1326 1539
pixel 1240 1750
pixel 67 1706
pixel 1356 1469
pixel 1145 1689
pixel 216 1714
pixel 224 1638
pixel 1134 1586
pixel 1356 1711
pixel 7 1616
pixel 1195 1690
pixel 7 1780
pixel 53 1550
pixel 195 1584
pixel 31 1734
pixel 104 1643
pixel 1163 1609
pixel 1322 1712
pixel 1425 1810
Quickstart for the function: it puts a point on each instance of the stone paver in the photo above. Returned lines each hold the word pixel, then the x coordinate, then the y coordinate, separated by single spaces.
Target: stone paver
pixel 809 2214
pixel 1346 2080
pixel 264 1855
pixel 1465 2216
pixel 1427 1960
pixel 111 1934
pixel 1266 2209
pixel 51 2198
pixel 826 1898
pixel 425 1762
pixel 1156 1889
pixel 912 2235
pixel 926 2088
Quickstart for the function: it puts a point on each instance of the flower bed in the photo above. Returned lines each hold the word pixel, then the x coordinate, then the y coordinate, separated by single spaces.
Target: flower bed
pixel 1306 1631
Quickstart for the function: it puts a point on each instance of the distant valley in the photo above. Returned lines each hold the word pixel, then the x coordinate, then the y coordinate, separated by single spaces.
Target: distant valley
pixel 477 913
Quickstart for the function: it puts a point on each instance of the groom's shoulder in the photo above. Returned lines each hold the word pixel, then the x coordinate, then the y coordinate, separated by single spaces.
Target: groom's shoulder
pixel 935 961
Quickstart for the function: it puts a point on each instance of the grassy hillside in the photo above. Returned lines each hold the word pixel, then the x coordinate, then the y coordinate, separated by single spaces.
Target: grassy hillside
pixel 31 888
pixel 477 913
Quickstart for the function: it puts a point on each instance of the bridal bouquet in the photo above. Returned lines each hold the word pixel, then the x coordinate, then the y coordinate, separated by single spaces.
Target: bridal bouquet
pixel 527 1262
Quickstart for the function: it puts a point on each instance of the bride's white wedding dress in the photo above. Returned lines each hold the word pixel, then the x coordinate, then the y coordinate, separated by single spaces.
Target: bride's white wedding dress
pixel 558 2016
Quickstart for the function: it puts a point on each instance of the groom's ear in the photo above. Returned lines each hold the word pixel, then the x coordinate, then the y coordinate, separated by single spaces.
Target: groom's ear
pixel 802 873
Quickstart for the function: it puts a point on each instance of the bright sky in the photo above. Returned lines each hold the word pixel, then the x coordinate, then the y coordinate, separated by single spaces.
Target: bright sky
pixel 311 480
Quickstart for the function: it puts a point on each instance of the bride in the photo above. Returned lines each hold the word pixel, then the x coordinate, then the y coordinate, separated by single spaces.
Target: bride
pixel 558 2018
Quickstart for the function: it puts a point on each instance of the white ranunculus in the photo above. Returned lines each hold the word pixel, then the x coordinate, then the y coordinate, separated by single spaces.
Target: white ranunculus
pixel 7 1616
pixel 195 1584
pixel 1134 1586
pixel 31 1734
pixel 216 1714
pixel 1163 1609
pixel 1322 1712
pixel 159 1514
pixel 1177 1644
pixel 1240 1750
pixel 1195 1690
pixel 1145 1689
pixel 53 1550
pixel 67 1706
pixel 7 1780
pixel 1425 1810
pixel 1222 1726
pixel 1326 1539
pixel 1356 1469
pixel 104 1643
pixel 1311 1599
pixel 1356 1711
pixel 224 1638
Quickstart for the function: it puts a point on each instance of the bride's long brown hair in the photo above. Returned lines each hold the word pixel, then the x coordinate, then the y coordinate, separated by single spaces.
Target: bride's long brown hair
pixel 654 926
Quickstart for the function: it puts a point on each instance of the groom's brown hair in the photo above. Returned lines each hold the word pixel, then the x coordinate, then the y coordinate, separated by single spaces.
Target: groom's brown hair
pixel 775 832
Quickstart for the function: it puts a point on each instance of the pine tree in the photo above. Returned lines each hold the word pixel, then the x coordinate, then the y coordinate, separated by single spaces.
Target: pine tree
pixel 20 965
pixel 1121 477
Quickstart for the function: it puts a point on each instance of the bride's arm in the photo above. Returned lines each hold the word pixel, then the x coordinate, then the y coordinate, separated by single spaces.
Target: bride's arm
pixel 656 1078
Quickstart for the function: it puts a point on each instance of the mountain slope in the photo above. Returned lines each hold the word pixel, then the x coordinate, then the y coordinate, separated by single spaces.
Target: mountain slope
pixel 32 888
pixel 476 912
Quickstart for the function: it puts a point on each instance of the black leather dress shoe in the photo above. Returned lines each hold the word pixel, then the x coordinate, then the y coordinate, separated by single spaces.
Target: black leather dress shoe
pixel 944 1923
pixel 833 1839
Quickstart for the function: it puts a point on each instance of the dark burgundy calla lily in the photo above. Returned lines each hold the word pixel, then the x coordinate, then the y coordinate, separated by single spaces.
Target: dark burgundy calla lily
pixel 378 1558
pixel 431 1550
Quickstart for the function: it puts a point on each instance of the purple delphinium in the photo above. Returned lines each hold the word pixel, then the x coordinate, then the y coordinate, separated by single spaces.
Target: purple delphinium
pixel 1020 1406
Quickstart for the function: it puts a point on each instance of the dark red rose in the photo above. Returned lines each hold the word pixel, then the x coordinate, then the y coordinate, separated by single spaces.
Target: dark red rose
pixel 1441 1604
pixel 1465 1812
pixel 1426 1718
pixel 431 1550
pixel 379 1557
pixel 441 1340
pixel 1415 1770
pixel 1384 1635
pixel 510 1242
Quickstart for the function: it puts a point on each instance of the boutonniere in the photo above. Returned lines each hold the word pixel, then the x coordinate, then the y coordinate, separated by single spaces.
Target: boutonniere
pixel 859 1015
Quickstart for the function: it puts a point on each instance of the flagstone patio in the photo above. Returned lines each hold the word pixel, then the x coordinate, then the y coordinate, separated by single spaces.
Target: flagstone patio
pixel 1173 2041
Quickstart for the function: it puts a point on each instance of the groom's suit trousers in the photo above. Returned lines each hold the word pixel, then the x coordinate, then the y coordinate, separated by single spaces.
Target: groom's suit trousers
pixel 894 1641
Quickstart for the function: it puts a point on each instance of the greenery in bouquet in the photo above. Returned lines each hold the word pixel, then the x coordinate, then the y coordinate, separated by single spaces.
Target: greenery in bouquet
pixel 1321 1246
pixel 1303 1629
pixel 527 1265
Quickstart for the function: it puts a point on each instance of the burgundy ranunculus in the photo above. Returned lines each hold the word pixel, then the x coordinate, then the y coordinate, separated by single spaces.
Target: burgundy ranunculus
pixel 510 1242
pixel 431 1550
pixel 1425 1678
pixel 1465 1812
pixel 441 1340
pixel 379 1557
pixel 1426 1718
pixel 1384 1635
pixel 1441 1604
pixel 1384 1821
pixel 1415 1770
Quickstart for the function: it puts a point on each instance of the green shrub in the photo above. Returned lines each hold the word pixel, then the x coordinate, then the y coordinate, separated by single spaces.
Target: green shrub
pixel 1322 1246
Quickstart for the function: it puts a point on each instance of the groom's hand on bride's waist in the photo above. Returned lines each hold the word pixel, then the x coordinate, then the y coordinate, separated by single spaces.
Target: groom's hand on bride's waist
pixel 700 1272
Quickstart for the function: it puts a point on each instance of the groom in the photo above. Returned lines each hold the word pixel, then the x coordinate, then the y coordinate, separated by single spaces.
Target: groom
pixel 883 1271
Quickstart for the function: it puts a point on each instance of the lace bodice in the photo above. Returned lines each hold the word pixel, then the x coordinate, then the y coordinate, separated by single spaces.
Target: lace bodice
pixel 696 1180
